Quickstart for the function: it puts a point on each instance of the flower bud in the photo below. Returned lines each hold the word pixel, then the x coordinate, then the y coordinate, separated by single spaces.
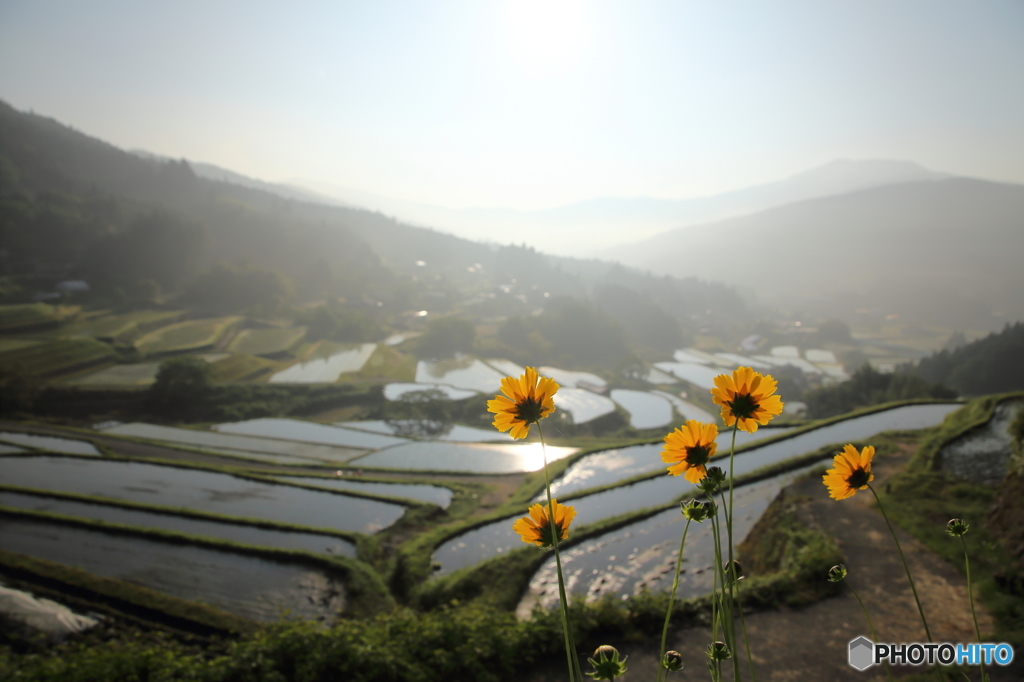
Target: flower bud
pixel 733 572
pixel 712 481
pixel 694 510
pixel 837 573
pixel 607 665
pixel 957 527
pixel 719 651
pixel 672 661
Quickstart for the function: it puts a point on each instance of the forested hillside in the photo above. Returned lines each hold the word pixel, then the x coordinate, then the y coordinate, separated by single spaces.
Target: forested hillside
pixel 994 364
pixel 143 230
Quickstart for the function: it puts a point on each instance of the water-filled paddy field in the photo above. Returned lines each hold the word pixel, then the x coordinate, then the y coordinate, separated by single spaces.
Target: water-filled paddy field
pixel 234 532
pixel 267 449
pixel 494 538
pixel 309 432
pixel 475 458
pixel 325 370
pixel 642 555
pixel 432 494
pixel 201 490
pixel 610 466
pixel 51 443
pixel 251 587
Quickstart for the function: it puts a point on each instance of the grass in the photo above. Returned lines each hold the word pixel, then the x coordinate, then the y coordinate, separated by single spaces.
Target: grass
pixel 267 341
pixel 124 327
pixel 386 364
pixel 53 358
pixel 242 367
pixel 131 375
pixel 921 502
pixel 22 317
pixel 186 336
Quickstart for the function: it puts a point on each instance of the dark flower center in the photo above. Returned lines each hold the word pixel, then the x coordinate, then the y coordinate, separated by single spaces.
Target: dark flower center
pixel 743 406
pixel 858 479
pixel 529 410
pixel 545 533
pixel 697 455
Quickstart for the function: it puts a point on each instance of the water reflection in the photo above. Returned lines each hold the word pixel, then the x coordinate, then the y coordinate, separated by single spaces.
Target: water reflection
pixel 201 490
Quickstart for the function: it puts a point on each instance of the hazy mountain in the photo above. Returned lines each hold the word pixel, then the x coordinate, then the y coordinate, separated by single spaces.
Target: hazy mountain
pixel 73 206
pixel 944 250
pixel 610 221
pixel 219 174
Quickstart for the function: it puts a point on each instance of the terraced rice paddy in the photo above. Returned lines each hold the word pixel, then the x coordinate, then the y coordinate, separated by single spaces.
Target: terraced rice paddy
pixel 700 376
pixel 201 490
pixel 53 358
pixel 28 315
pixel 468 373
pixel 121 327
pixel 309 432
pixel 583 405
pixel 610 466
pixel 325 370
pixel 184 336
pixel 50 443
pixel 266 341
pixel 137 374
pixel 476 458
pixel 484 542
pixel 397 390
pixel 455 433
pixel 686 409
pixel 233 532
pixel 432 494
pixel 646 410
pixel 266 449
pixel 247 586
pixel 642 555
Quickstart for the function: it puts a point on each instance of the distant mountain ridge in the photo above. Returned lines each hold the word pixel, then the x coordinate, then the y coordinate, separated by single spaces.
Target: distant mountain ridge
pixel 944 250
pixel 609 221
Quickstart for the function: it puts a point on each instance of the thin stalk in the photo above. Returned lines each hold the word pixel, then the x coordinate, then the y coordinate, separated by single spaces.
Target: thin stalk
pixel 746 642
pixel 724 608
pixel 572 658
pixel 906 568
pixel 970 593
pixel 732 584
pixel 874 635
pixel 671 602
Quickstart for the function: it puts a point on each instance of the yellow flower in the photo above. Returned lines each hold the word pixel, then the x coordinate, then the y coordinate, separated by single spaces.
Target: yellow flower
pixel 690 448
pixel 536 528
pixel 746 397
pixel 526 400
pixel 852 472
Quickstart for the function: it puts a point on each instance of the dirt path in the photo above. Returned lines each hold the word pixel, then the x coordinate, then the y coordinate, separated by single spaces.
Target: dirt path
pixel 811 643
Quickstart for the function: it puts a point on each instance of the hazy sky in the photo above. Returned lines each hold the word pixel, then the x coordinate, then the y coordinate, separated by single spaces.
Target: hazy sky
pixel 530 104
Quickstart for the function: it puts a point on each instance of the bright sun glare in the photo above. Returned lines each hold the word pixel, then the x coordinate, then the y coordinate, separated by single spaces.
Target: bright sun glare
pixel 546 34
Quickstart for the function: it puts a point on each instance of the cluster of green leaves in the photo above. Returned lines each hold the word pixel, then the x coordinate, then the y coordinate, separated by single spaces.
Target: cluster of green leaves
pixel 339 323
pixel 868 387
pixel 994 364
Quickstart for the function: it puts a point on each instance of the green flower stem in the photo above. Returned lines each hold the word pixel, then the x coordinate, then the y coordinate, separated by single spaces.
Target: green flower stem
pixel 732 584
pixel 874 635
pixel 906 568
pixel 970 594
pixel 725 605
pixel 746 642
pixel 572 658
pixel 671 602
